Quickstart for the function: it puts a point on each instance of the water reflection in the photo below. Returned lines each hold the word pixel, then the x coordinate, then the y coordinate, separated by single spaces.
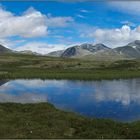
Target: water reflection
pixel 117 99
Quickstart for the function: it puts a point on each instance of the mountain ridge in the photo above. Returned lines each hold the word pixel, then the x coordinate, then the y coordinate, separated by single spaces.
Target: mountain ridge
pixel 131 50
pixel 89 51
pixel 4 49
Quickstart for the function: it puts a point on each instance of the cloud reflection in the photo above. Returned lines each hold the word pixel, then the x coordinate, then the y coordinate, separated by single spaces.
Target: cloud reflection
pixel 22 98
pixel 122 91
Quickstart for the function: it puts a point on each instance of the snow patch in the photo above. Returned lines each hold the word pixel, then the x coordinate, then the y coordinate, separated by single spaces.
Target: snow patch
pixel 134 47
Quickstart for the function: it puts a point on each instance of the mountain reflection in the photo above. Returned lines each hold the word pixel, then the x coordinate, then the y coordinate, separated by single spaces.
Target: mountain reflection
pixel 2 82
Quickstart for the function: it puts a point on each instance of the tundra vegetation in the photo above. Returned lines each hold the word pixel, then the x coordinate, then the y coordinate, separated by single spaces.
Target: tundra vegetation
pixel 44 67
pixel 43 120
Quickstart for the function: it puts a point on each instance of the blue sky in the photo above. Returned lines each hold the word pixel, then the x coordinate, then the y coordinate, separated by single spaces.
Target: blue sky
pixel 54 25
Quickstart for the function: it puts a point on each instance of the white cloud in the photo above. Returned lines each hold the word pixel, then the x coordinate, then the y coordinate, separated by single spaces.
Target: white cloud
pixel 31 23
pixel 42 48
pixel 115 37
pixel 6 42
pixel 80 16
pixel 129 23
pixel 84 11
pixel 131 7
pixel 58 21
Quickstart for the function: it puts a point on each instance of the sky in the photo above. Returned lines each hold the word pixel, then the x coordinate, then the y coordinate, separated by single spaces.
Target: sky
pixel 52 25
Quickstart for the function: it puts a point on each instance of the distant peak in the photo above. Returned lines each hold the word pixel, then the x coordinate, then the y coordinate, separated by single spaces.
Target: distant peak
pixel 99 44
pixel 85 44
pixel 136 42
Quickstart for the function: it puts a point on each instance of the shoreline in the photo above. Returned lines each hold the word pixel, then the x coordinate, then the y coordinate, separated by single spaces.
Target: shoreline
pixel 43 120
pixel 74 75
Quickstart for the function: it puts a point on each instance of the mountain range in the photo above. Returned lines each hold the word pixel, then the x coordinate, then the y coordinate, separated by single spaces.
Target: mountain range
pixel 90 51
pixel 100 51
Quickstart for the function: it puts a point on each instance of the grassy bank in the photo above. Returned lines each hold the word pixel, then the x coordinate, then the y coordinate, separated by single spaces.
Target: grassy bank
pixel 74 75
pixel 44 121
pixel 29 66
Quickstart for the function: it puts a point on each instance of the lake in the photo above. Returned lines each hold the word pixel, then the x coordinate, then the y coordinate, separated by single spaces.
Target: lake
pixel 114 99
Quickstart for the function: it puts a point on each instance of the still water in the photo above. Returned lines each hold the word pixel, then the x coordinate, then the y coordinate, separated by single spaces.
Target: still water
pixel 115 99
